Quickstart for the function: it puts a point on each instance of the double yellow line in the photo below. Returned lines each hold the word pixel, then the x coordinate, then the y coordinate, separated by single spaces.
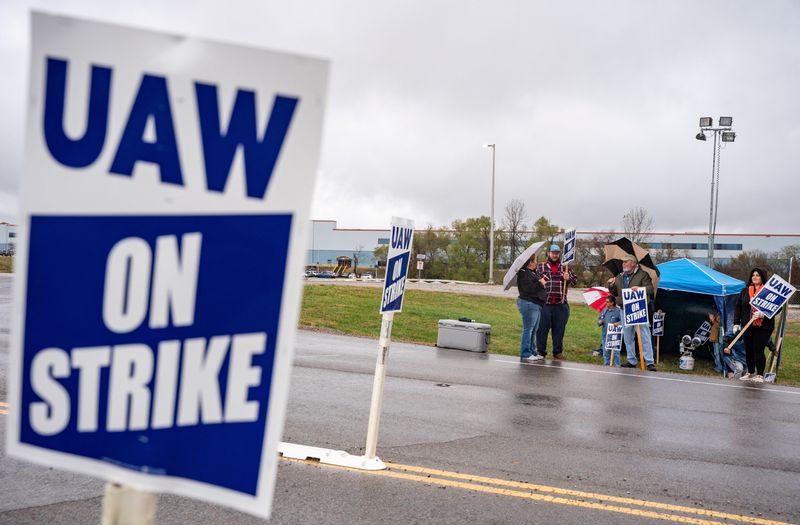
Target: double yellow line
pixel 555 495
pixel 3 408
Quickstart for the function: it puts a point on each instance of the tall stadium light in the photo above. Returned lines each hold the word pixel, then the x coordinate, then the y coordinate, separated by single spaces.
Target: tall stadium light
pixel 491 219
pixel 722 134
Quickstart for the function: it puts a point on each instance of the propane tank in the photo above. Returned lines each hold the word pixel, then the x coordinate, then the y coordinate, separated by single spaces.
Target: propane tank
pixel 686 361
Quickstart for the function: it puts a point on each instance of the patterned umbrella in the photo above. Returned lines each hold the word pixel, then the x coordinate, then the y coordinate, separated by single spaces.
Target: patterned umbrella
pixel 616 250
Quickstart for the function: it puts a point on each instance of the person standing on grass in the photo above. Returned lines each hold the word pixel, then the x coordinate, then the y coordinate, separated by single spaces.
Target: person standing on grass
pixel 611 314
pixel 634 277
pixel 757 336
pixel 529 304
pixel 555 310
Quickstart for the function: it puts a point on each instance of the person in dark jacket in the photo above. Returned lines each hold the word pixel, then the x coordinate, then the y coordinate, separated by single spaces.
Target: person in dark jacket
pixel 757 335
pixel 634 277
pixel 529 303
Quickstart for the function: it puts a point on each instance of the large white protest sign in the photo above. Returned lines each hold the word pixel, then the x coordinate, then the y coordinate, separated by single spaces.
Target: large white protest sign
pixel 166 190
pixel 658 323
pixel 772 296
pixel 634 306
pixel 569 246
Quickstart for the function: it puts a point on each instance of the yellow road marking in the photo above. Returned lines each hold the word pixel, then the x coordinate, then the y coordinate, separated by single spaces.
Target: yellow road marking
pixel 3 404
pixel 581 494
pixel 546 498
pixel 3 412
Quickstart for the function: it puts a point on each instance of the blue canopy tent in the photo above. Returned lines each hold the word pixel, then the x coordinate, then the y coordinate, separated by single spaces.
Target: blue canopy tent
pixel 687 292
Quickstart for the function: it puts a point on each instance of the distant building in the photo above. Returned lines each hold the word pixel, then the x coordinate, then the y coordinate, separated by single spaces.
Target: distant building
pixel 8 238
pixel 326 242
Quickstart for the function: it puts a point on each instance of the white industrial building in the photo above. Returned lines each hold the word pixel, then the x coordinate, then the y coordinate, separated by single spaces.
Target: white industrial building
pixel 8 237
pixel 326 242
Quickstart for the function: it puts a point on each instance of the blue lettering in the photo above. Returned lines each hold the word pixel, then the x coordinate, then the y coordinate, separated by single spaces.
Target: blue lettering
pixel 260 156
pixel 81 152
pixel 152 100
pixel 396 237
pixel 407 238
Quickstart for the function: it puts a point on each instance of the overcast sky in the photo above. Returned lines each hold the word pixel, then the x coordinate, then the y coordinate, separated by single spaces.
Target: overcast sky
pixel 593 105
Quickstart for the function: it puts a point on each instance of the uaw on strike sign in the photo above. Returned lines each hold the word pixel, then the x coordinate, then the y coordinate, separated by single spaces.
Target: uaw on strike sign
pixel 164 199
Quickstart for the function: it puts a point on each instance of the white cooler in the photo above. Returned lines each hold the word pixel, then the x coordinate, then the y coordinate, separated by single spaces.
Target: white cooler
pixel 462 335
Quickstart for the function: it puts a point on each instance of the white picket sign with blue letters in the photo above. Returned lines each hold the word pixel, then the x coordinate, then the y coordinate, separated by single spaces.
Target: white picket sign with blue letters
pixel 634 306
pixel 775 293
pixel 569 246
pixel 163 208
pixel 397 261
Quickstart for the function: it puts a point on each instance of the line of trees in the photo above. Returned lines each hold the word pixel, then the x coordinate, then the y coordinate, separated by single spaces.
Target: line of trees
pixel 460 251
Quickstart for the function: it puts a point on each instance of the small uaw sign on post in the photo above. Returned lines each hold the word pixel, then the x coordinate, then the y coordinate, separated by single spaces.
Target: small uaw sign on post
pixel 635 313
pixel 394 286
pixel 163 206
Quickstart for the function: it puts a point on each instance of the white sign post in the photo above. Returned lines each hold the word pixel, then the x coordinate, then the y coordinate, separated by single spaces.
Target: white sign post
pixel 635 313
pixel 175 172
pixel 394 286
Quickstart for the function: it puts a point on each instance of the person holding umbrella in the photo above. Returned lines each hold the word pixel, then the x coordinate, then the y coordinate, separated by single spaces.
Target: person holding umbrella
pixel 554 277
pixel 529 304
pixel 757 335
pixel 634 277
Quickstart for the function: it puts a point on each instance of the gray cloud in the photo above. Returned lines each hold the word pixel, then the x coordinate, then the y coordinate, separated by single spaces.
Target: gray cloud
pixel 593 105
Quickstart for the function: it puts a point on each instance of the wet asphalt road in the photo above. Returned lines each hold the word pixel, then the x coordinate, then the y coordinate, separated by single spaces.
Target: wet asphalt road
pixel 664 438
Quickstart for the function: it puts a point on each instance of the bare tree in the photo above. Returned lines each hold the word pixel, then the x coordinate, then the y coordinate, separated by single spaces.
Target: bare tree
pixel 514 226
pixel 637 225
pixel 356 256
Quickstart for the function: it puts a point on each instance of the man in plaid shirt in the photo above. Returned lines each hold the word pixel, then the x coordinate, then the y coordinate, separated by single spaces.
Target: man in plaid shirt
pixel 555 277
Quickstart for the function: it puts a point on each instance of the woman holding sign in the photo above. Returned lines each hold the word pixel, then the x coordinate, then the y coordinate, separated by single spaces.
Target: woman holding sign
pixel 757 335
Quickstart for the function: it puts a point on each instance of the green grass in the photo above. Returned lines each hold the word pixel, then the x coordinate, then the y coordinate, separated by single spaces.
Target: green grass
pixel 6 264
pixel 354 310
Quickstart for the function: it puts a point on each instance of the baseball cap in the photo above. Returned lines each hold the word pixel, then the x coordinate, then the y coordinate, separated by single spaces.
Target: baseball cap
pixel 554 248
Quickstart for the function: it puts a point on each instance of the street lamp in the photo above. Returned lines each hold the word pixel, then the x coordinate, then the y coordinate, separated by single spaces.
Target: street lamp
pixel 722 133
pixel 491 231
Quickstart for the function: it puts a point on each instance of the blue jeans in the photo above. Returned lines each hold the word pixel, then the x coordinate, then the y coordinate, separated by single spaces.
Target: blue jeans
pixel 607 356
pixel 629 335
pixel 554 317
pixel 530 313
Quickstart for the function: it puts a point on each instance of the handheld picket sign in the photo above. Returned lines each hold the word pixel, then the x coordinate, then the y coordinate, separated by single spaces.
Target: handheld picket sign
pixel 658 332
pixel 772 296
pixel 658 323
pixel 634 303
pixel 703 332
pixel 162 221
pixel 569 246
pixel 613 342
pixel 634 313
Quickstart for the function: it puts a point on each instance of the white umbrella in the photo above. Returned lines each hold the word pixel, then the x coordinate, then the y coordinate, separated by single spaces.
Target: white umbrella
pixel 510 278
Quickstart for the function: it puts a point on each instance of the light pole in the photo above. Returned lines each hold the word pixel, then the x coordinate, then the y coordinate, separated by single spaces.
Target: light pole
pixel 491 230
pixel 722 133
